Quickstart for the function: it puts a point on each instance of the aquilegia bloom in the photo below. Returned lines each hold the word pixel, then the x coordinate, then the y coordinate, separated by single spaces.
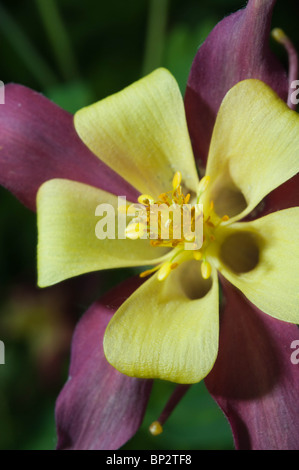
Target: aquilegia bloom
pixel 168 327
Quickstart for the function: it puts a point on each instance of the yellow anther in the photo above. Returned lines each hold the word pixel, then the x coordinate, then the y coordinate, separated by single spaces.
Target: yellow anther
pixel 148 272
pixel 206 269
pixel 203 184
pixel 164 198
pixel 164 271
pixel 187 198
pixel 177 180
pixel 279 35
pixel 156 428
pixel 212 205
pixel 146 199
pixel 197 255
pixel 145 273
pixel 225 218
pixel 135 230
pixel 174 265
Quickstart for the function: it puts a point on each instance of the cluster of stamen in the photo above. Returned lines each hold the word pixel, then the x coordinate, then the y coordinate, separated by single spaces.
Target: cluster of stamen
pixel 142 227
pixel 174 198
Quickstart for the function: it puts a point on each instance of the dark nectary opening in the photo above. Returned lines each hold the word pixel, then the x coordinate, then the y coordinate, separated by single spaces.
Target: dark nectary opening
pixel 194 286
pixel 240 251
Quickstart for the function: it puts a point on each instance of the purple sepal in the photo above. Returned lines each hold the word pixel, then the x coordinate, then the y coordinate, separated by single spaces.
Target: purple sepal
pixel 255 379
pixel 99 408
pixel 38 142
pixel 236 49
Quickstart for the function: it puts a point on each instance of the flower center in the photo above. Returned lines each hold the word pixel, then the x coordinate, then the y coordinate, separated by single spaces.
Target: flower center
pixel 172 221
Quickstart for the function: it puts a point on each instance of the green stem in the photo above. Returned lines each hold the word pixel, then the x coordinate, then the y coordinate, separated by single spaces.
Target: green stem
pixel 58 38
pixel 155 37
pixel 24 48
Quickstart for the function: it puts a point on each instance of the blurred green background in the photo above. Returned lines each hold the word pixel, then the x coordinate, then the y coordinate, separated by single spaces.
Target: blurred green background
pixel 75 53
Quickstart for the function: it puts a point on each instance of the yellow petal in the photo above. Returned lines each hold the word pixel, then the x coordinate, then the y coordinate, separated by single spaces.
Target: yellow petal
pixel 261 258
pixel 254 148
pixel 141 133
pixel 67 241
pixel 167 329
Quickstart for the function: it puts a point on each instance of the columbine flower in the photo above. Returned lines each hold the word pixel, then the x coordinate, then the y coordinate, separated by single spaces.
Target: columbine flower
pixel 252 379
pixel 168 328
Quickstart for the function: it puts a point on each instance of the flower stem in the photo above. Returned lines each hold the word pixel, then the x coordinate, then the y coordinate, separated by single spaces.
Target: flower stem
pixel 155 37
pixel 25 49
pixel 58 38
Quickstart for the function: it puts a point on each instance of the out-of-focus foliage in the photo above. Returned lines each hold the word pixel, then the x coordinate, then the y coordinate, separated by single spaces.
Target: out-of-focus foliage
pixel 75 53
